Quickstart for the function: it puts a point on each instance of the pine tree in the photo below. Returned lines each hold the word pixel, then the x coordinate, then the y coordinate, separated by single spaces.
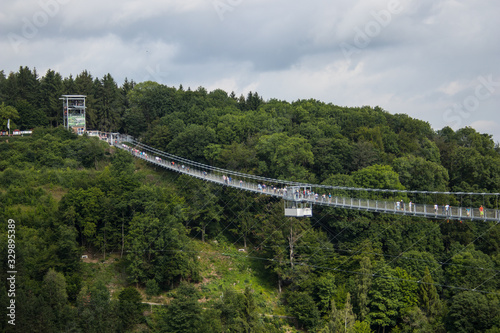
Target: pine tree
pixel 84 86
pixel 51 89
pixel 429 298
pixel 363 287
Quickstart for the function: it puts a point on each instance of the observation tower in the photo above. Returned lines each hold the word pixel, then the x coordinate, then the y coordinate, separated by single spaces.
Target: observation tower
pixel 74 113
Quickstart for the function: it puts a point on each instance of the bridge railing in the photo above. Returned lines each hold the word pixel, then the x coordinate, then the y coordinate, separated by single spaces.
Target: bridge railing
pixel 281 189
pixel 427 210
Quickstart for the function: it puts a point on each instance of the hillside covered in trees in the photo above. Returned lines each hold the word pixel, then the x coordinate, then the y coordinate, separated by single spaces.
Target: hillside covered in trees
pixel 340 270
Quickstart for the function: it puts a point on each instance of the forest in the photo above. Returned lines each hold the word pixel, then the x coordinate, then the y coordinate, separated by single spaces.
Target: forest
pixel 168 253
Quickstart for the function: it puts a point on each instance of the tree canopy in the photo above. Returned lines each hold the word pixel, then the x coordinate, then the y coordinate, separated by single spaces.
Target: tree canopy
pixel 344 270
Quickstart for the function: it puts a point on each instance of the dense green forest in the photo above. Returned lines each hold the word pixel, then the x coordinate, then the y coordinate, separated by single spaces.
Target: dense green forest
pixel 160 237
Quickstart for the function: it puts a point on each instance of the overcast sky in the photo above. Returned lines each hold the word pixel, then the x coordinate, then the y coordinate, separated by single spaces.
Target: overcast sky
pixel 434 60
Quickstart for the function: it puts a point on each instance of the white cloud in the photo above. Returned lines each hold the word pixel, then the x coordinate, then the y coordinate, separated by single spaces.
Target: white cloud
pixel 485 125
pixel 452 88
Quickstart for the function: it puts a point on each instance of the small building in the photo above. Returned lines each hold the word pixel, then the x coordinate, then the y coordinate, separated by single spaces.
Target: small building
pixel 298 201
pixel 74 113
pixel 298 209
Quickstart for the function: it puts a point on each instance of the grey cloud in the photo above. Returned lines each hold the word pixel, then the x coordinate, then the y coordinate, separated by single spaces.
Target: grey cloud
pixel 282 49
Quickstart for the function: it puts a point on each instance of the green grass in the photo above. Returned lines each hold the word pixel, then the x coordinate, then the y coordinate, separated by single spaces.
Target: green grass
pixel 111 272
pixel 224 267
pixel 155 175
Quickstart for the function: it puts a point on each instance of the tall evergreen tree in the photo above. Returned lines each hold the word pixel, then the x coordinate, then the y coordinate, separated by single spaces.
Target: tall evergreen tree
pixel 10 89
pixel 69 86
pixel 51 89
pixel 3 79
pixel 85 86
pixel 184 312
pixel 108 106
pixel 129 306
pixel 30 116
pixel 363 287
pixel 429 298
pixel 28 86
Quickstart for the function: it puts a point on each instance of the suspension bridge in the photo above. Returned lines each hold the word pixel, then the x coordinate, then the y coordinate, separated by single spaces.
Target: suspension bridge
pixel 299 198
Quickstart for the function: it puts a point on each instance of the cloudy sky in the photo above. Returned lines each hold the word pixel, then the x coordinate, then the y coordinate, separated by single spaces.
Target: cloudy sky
pixel 436 60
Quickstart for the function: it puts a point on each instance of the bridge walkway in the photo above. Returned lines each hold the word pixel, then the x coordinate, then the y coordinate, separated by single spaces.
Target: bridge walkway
pixel 280 188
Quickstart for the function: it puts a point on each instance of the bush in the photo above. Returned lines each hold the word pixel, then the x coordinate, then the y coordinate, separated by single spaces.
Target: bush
pixel 152 288
pixel 301 305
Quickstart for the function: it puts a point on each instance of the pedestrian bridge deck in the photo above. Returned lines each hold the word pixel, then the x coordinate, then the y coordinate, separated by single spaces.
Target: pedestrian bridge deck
pixel 281 189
